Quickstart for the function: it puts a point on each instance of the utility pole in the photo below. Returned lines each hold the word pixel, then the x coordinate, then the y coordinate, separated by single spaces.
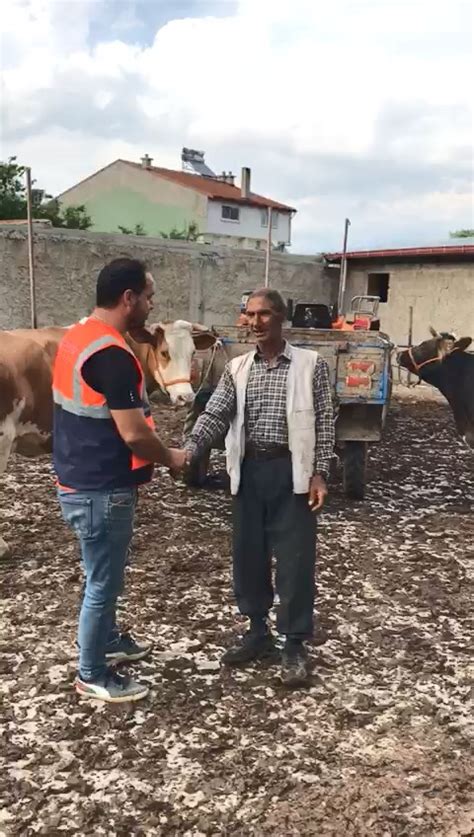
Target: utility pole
pixel 343 276
pixel 31 263
pixel 269 246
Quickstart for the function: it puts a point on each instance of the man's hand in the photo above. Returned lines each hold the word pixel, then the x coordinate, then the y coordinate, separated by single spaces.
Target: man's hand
pixel 318 491
pixel 177 460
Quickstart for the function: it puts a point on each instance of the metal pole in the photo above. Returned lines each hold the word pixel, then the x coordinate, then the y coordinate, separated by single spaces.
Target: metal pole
pixel 343 276
pixel 410 337
pixel 31 264
pixel 269 247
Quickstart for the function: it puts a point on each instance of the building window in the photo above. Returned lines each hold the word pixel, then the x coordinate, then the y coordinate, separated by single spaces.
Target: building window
pixel 230 213
pixel 378 285
pixel 264 218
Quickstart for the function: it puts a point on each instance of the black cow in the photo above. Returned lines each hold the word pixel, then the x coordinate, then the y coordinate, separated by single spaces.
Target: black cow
pixel 444 363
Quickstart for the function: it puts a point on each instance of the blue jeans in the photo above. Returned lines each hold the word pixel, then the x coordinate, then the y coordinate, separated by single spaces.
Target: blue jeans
pixel 103 524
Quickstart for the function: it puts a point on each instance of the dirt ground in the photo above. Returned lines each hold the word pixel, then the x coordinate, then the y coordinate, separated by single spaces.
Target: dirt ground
pixel 378 744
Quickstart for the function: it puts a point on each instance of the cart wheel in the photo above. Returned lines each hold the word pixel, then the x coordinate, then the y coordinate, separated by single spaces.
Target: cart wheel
pixel 355 470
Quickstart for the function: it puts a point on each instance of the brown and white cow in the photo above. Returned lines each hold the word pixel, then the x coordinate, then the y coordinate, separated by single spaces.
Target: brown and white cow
pixel 165 352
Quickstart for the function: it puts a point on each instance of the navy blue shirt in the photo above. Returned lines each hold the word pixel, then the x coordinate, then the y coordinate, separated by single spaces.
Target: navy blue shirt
pixel 113 372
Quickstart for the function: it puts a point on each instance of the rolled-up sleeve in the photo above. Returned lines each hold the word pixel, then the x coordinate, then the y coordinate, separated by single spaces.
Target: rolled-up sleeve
pixel 325 418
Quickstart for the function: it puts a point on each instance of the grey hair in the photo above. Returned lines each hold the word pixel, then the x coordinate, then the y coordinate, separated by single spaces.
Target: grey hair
pixel 273 297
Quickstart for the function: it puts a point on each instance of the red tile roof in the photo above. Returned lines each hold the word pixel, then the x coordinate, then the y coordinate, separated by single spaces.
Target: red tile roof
pixel 214 189
pixel 440 250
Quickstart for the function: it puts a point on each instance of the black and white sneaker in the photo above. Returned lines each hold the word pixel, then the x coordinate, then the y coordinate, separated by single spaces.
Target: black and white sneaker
pixel 113 688
pixel 126 650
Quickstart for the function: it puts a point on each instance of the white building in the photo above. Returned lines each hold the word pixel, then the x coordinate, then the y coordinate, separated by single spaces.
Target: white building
pixel 158 201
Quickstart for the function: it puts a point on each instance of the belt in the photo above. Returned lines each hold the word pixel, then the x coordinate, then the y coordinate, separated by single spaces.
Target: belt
pixel 267 452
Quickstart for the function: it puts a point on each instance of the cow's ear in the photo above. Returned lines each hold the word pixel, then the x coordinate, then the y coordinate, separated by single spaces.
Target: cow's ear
pixel 203 338
pixel 434 333
pixel 158 332
pixel 153 334
pixel 462 344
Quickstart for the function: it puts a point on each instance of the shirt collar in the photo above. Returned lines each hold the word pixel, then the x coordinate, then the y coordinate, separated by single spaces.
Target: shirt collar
pixel 285 352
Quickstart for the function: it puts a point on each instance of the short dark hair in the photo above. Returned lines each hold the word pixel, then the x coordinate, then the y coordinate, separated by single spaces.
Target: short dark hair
pixel 273 297
pixel 119 276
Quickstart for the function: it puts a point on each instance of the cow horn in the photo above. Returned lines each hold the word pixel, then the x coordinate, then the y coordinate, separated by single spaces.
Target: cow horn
pixel 434 333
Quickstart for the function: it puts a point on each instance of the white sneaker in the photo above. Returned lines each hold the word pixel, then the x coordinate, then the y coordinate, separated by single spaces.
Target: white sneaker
pixel 114 688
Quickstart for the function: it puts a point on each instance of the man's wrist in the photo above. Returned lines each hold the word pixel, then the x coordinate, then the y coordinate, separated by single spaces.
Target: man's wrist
pixel 191 450
pixel 320 472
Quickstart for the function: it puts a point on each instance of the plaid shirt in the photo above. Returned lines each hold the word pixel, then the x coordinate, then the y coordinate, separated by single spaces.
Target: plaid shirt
pixel 265 409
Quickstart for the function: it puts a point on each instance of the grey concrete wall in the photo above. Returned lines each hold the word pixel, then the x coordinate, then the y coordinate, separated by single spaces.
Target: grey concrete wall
pixel 441 293
pixel 194 281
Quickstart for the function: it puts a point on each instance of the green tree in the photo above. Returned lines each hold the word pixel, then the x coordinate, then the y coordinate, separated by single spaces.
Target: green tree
pixel 189 233
pixel 13 201
pixel 12 191
pixel 139 230
pixel 462 234
pixel 193 232
pixel 175 234
pixel 71 217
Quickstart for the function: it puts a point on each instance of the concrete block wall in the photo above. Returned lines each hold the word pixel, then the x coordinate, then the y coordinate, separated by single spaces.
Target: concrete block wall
pixel 441 293
pixel 194 281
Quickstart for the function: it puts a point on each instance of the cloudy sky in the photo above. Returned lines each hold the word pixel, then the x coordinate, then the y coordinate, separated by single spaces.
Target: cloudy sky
pixel 358 108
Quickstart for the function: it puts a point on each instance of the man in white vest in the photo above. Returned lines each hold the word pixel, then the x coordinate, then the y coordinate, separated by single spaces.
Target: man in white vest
pixel 275 405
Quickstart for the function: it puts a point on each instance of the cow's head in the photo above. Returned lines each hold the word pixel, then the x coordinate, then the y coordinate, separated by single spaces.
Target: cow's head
pixel 165 351
pixel 432 351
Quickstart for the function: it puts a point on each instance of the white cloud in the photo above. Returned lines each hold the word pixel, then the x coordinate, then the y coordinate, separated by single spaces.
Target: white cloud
pixel 307 94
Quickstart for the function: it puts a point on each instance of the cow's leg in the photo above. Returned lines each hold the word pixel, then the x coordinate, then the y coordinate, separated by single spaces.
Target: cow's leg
pixel 464 425
pixel 7 437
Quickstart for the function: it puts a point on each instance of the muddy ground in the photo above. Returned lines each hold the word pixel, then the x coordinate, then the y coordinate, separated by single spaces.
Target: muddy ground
pixel 376 745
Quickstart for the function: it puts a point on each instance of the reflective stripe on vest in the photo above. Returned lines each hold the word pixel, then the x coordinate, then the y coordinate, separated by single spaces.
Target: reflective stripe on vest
pixel 75 404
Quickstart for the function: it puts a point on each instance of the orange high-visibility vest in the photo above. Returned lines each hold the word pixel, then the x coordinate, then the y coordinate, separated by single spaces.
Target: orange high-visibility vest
pixel 87 448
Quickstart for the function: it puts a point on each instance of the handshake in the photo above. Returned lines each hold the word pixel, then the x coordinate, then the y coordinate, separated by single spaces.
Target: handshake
pixel 177 461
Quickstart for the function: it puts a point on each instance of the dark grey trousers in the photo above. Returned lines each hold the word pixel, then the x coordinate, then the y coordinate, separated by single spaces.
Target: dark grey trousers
pixel 269 519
